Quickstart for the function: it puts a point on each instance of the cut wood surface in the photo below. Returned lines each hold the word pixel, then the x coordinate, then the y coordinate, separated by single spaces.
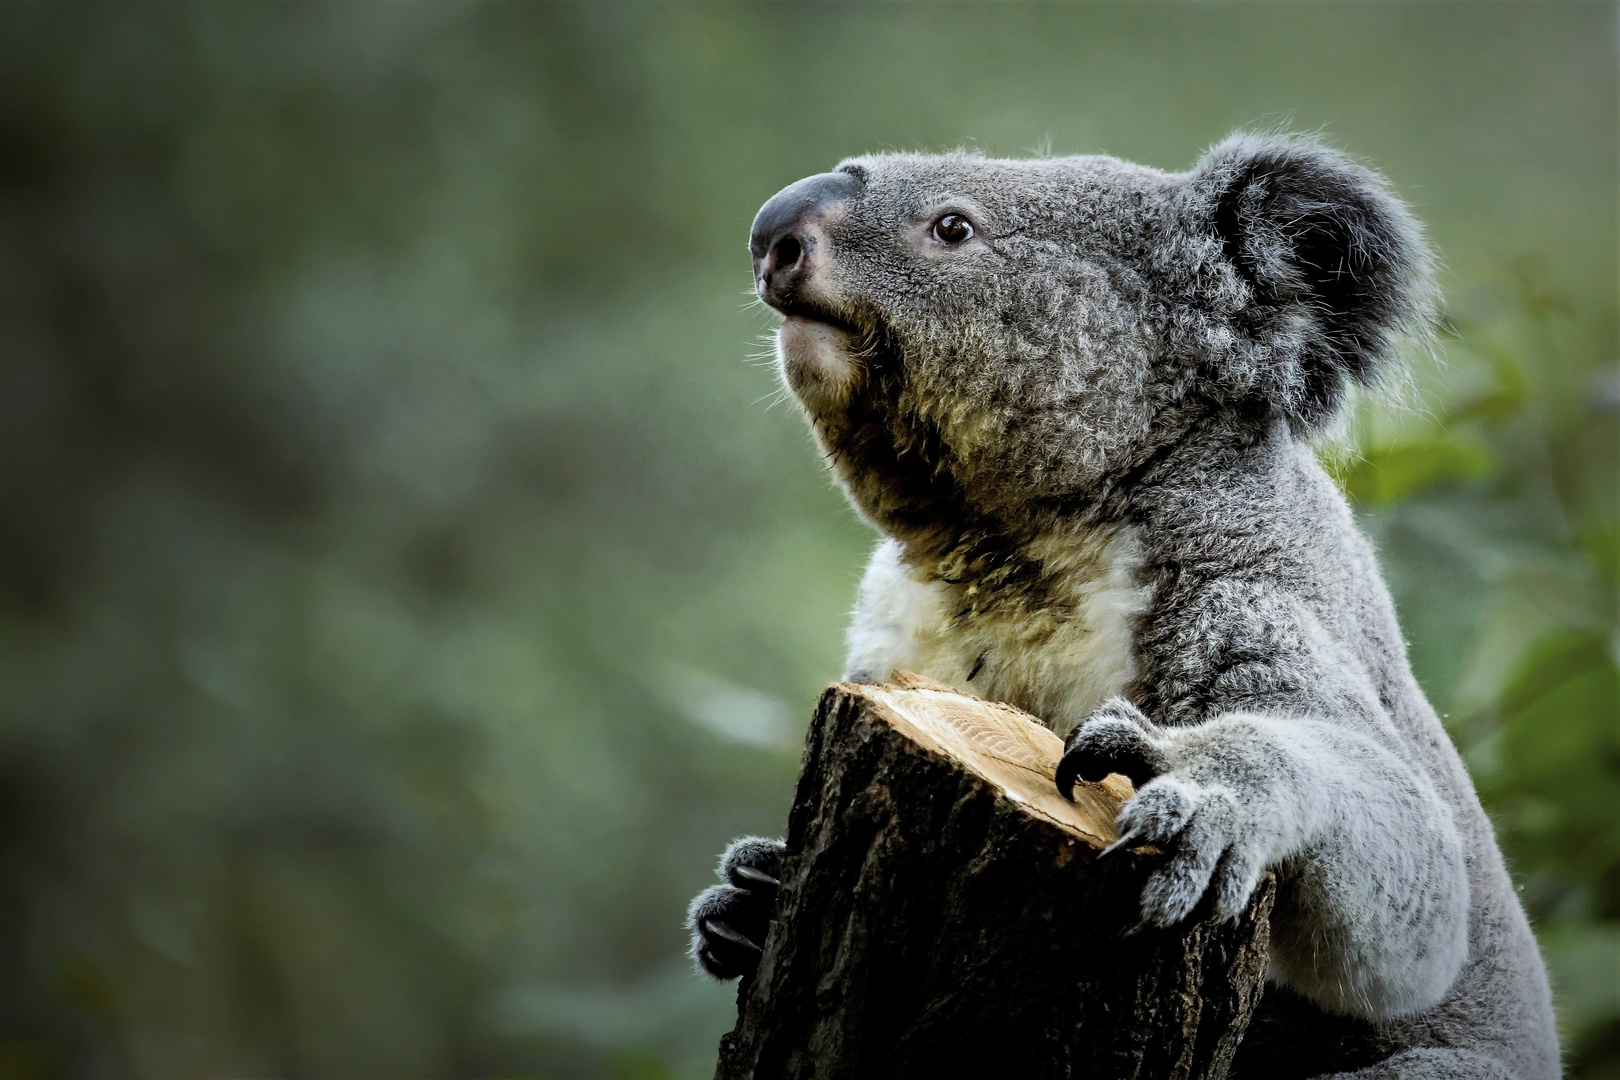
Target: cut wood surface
pixel 945 912
pixel 1005 746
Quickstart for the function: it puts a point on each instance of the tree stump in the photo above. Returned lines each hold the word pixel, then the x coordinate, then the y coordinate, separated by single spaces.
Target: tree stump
pixel 944 912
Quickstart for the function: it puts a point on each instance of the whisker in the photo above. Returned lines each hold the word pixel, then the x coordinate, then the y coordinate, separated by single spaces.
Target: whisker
pixel 776 397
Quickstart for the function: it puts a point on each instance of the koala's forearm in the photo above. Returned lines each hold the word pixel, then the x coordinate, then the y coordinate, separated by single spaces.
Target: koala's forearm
pixel 1374 910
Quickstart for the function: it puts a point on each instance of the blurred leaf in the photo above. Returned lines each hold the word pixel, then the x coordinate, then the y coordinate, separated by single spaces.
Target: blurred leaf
pixel 1509 389
pixel 1379 476
pixel 1584 964
pixel 1603 545
pixel 641 1065
pixel 1565 658
pixel 1503 400
pixel 1559 768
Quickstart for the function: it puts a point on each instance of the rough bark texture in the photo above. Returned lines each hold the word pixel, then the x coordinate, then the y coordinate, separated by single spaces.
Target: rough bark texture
pixel 940 915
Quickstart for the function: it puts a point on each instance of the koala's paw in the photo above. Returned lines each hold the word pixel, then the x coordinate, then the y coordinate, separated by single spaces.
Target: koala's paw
pixel 1210 848
pixel 1116 738
pixel 1210 845
pixel 728 922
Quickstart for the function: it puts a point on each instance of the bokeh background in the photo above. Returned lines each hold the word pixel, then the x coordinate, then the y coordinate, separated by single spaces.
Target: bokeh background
pixel 406 583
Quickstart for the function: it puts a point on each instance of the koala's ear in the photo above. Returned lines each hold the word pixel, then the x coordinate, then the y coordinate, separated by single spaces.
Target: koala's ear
pixel 1329 269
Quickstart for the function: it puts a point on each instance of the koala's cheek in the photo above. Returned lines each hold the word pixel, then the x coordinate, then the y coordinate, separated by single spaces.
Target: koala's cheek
pixel 817 362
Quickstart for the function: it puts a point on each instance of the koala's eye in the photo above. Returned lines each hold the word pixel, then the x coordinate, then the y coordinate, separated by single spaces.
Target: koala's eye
pixel 953 229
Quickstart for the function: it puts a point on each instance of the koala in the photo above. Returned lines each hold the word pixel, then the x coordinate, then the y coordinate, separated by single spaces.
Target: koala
pixel 1077 397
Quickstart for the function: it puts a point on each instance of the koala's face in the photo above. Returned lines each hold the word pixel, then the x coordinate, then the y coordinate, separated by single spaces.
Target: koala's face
pixel 971 336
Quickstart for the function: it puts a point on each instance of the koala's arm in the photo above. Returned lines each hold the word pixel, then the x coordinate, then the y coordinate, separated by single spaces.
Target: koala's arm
pixel 1373 918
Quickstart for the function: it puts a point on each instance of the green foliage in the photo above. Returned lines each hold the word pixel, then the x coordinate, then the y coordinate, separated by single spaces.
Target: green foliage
pixel 1558 776
pixel 1381 476
pixel 405 589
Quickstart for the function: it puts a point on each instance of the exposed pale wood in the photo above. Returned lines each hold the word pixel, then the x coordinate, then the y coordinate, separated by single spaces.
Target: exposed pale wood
pixel 944 912
pixel 1005 746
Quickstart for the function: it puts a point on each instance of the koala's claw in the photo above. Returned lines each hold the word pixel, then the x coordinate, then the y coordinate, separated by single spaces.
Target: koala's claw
pixel 1126 839
pixel 753 877
pixel 1116 738
pixel 722 930
pixel 728 922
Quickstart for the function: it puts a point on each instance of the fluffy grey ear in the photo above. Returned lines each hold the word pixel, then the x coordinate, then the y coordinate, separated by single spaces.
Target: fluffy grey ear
pixel 1330 269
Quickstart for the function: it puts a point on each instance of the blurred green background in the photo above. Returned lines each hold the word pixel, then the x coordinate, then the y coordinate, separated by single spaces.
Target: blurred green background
pixel 406 588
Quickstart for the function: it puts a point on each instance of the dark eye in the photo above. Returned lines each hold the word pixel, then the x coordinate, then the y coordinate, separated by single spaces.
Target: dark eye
pixel 953 229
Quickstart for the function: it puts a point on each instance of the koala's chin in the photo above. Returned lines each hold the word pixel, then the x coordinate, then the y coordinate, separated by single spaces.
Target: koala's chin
pixel 818 363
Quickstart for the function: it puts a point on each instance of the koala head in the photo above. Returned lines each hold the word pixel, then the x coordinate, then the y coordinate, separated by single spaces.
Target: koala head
pixel 975 338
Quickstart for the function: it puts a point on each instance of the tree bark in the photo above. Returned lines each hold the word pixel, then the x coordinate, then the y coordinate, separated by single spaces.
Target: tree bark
pixel 944 912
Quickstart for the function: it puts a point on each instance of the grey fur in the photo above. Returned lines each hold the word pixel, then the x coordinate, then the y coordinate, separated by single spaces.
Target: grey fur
pixel 1083 431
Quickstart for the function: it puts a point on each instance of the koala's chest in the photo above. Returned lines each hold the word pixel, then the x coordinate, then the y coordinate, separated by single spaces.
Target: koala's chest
pixel 1057 655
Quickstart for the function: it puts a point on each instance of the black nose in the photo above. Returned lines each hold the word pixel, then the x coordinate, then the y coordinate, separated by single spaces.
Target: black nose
pixel 780 240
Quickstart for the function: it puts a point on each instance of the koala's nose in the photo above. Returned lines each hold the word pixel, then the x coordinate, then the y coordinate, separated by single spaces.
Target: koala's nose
pixel 787 231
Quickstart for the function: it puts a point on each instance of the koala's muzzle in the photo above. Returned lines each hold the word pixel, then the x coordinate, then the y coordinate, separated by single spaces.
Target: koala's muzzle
pixel 788 240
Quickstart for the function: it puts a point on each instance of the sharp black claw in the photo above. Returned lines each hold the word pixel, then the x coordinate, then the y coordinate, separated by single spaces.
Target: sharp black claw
pixel 726 933
pixel 1068 771
pixel 752 876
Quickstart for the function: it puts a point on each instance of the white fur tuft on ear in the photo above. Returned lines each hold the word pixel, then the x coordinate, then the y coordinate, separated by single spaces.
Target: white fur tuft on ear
pixel 1334 268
